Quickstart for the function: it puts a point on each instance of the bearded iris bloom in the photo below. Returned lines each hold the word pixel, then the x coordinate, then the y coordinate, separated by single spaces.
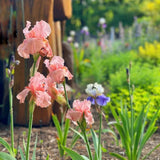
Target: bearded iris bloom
pixel 57 70
pixel 35 40
pixel 81 109
pixel 96 96
pixel 38 89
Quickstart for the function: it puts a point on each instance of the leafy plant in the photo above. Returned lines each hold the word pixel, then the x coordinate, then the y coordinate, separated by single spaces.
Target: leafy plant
pixel 62 134
pixel 133 130
pixel 140 97
pixel 150 52
pixel 80 62
pixel 10 74
pixel 23 154
pixel 142 75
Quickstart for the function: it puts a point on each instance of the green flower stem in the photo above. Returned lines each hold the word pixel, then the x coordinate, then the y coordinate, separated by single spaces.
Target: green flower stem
pixel 64 86
pixel 34 66
pixel 99 138
pixel 87 144
pixel 35 58
pixel 11 118
pixel 31 110
pixel 132 115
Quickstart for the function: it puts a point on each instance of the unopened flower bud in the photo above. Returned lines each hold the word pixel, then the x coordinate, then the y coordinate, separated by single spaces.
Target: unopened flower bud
pixel 12 77
pixel 12 66
pixel 12 58
pixel 11 84
pixel 127 72
pixel 61 100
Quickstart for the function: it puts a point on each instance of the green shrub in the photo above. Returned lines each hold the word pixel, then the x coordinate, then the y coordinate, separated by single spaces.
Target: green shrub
pixel 150 52
pixel 94 72
pixel 142 75
pixel 113 62
pixel 140 98
pixel 101 66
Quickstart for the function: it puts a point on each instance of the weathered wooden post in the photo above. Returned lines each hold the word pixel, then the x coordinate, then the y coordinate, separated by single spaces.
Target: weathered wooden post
pixel 36 10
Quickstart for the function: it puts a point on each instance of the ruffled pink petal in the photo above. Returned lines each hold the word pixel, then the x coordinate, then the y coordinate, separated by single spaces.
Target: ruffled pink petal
pixel 68 74
pixel 22 95
pixel 30 46
pixel 26 29
pixel 42 99
pixel 83 106
pixel 38 82
pixel 42 29
pixel 46 62
pixel 56 62
pixel 73 115
pixel 89 118
pixel 86 105
pixel 23 51
pixel 46 50
pixel 57 75
pixel 77 104
pixel 51 90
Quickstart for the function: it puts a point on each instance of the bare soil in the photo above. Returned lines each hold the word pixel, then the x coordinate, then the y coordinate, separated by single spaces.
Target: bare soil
pixel 47 142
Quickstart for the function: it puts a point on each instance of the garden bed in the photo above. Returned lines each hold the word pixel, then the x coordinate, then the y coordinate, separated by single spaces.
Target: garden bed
pixel 47 143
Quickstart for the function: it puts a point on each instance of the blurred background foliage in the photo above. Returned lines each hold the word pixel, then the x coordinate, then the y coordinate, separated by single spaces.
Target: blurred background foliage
pixel 132 36
pixel 88 12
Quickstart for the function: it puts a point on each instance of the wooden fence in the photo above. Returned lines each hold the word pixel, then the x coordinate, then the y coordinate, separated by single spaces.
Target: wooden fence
pixel 13 17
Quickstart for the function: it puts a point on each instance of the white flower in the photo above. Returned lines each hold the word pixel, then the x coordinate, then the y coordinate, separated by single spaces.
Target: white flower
pixel 102 21
pixel 85 29
pixel 94 89
pixel 69 39
pixel 72 33
pixel 76 44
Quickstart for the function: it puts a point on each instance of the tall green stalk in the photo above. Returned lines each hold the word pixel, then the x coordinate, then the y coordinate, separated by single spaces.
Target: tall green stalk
pixel 99 136
pixel 66 96
pixel 11 118
pixel 88 145
pixel 31 110
pixel 132 113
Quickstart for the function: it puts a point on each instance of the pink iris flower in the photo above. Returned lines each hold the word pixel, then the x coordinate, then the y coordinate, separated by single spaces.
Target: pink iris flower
pixel 35 40
pixel 38 88
pixel 80 109
pixel 57 70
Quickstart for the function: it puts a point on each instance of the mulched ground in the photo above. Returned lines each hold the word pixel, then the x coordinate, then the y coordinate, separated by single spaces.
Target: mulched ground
pixel 47 143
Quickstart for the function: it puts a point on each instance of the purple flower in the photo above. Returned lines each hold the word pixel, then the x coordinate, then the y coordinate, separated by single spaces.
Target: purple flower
pixel 91 99
pixel 102 100
pixel 104 25
pixel 85 30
